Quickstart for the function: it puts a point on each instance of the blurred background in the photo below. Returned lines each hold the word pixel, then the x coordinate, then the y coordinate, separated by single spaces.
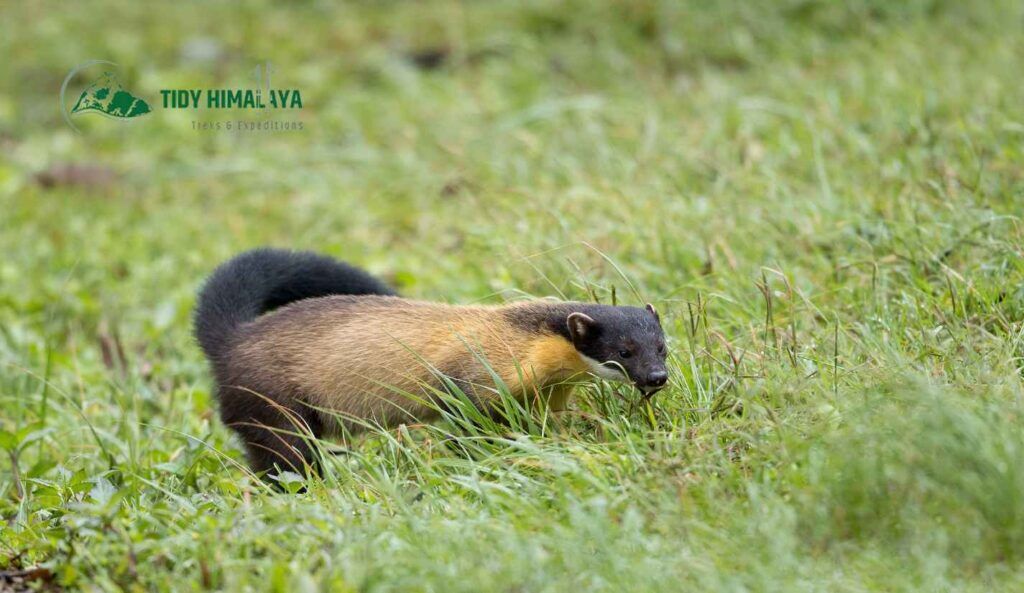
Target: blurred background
pixel 459 147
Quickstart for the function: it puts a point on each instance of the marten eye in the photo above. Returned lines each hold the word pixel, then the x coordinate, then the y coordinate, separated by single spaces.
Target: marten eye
pixel 625 353
pixel 661 348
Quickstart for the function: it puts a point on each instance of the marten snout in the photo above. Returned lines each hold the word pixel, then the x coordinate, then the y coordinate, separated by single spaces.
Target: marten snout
pixel 656 378
pixel 652 381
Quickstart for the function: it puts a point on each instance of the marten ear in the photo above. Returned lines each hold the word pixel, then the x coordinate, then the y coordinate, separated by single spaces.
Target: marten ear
pixel 581 326
pixel 654 312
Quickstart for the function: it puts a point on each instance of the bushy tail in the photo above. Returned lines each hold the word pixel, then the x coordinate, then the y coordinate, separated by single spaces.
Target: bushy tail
pixel 261 280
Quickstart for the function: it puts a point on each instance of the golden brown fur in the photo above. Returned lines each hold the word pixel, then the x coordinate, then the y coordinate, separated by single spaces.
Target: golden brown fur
pixel 379 358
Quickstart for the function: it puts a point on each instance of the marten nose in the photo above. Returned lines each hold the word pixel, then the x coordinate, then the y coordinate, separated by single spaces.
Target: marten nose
pixel 657 379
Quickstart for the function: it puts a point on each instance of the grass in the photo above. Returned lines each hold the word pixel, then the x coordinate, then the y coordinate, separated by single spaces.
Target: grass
pixel 822 198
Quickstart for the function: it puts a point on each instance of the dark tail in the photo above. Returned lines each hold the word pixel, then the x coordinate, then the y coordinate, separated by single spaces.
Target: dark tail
pixel 261 280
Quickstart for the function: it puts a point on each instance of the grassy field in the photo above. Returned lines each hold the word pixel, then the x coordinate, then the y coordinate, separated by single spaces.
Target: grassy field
pixel 823 199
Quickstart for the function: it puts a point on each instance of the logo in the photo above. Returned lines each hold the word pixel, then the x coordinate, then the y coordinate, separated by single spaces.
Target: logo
pixel 104 96
pixel 263 96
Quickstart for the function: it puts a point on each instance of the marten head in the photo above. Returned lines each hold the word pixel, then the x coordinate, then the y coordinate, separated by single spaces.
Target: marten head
pixel 621 343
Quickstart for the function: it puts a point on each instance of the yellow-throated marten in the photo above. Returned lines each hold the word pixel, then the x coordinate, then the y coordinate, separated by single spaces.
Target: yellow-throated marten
pixel 294 336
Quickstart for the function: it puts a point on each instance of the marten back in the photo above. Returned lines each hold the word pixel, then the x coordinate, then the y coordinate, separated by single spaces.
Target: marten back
pixel 262 280
pixel 372 357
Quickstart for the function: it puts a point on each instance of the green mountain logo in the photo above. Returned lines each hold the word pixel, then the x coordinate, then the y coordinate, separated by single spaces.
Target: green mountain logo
pixel 108 97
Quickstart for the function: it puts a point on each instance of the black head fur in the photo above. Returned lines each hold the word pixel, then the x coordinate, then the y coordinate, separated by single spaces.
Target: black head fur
pixel 624 343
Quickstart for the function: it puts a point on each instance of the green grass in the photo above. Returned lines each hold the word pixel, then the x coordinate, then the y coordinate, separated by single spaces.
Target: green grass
pixel 822 198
